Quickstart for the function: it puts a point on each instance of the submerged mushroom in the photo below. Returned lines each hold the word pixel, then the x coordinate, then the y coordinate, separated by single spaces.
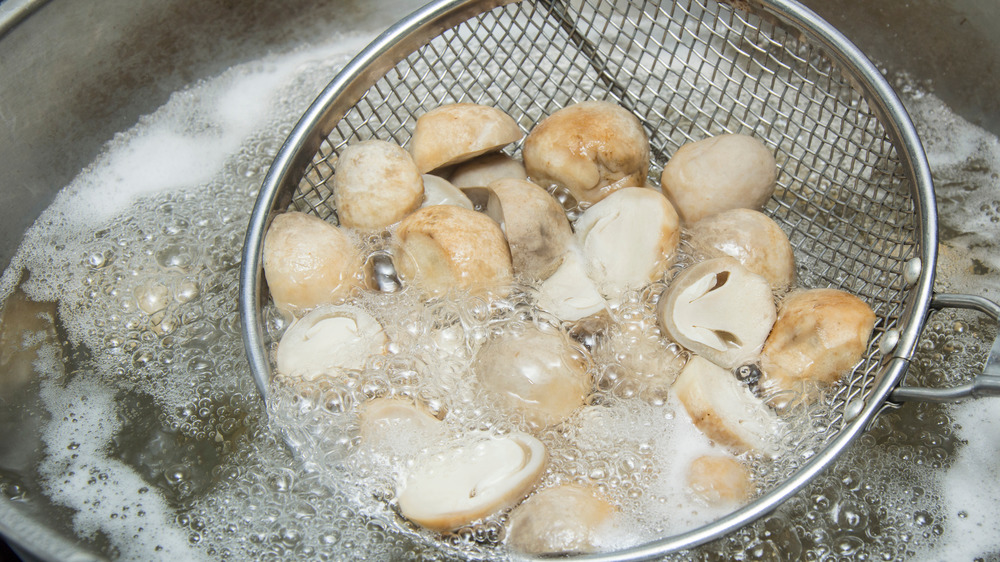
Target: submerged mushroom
pixel 308 262
pixel 718 479
pixel 717 174
pixel 628 239
pixel 535 225
pixel 446 490
pixel 592 148
pixel 565 519
pixel 439 191
pixel 327 340
pixel 719 310
pixel 484 170
pixel 444 247
pixel 752 238
pixel 457 132
pixel 398 424
pixel 376 185
pixel 569 294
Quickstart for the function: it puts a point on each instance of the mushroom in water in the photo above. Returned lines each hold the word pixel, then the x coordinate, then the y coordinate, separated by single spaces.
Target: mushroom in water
pixel 398 424
pixel 376 185
pixel 819 335
pixel 308 262
pixel 719 479
pixel 568 294
pixel 535 225
pixel 628 239
pixel 444 247
pixel 752 238
pixel 724 409
pixel 446 490
pixel 484 170
pixel 719 310
pixel 592 148
pixel 565 519
pixel 329 339
pixel 457 132
pixel 439 191
pixel 717 174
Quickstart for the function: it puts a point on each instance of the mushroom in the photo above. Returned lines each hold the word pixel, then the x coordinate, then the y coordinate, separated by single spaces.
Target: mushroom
pixel 396 423
pixel 329 339
pixel 568 294
pixel 439 191
pixel 719 310
pixel 752 238
pixel 376 184
pixel 717 174
pixel 718 479
pixel 535 373
pixel 447 490
pixel 819 335
pixel 457 132
pixel 565 519
pixel 444 247
pixel 628 239
pixel 592 149
pixel 535 225
pixel 308 262
pixel 724 409
pixel 484 170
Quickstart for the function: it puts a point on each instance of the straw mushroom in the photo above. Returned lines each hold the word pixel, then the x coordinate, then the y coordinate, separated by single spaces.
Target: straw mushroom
pixel 724 409
pixel 535 225
pixel 819 335
pixel 568 294
pixel 484 170
pixel 565 519
pixel 718 479
pixel 719 310
pixel 329 339
pixel 457 132
pixel 395 422
pixel 628 239
pixel 439 191
pixel 444 247
pixel 376 184
pixel 592 148
pixel 719 173
pixel 752 238
pixel 308 262
pixel 486 474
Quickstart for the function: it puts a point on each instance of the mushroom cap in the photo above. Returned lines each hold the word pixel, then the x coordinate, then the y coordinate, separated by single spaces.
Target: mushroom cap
pixel 535 225
pixel 457 132
pixel 308 262
pixel 719 479
pixel 752 238
pixel 376 185
pixel 628 239
pixel 591 148
pixel 820 335
pixel 483 170
pixel 719 310
pixel 439 191
pixel 563 519
pixel 444 247
pixel 329 339
pixel 719 173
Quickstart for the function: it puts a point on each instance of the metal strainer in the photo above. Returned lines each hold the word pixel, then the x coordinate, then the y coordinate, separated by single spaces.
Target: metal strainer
pixel 854 189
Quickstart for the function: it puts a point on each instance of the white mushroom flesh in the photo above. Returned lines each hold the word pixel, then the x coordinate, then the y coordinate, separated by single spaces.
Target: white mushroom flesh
pixel 399 425
pixel 439 191
pixel 328 340
pixel 566 519
pixel 376 185
pixel 569 294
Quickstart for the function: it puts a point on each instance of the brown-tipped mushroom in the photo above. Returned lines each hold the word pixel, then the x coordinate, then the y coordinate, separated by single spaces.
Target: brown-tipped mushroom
pixel 719 310
pixel 717 174
pixel 535 225
pixel 566 519
pixel 308 262
pixel 752 238
pixel 457 132
pixel 376 185
pixel 592 148
pixel 327 340
pixel 484 170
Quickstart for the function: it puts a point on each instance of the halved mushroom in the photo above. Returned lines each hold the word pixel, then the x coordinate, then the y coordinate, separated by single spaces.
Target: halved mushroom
pixel 439 191
pixel 719 173
pixel 444 247
pixel 445 491
pixel 592 148
pixel 397 422
pixel 308 262
pixel 376 185
pixel 484 170
pixel 568 294
pixel 535 225
pixel 719 479
pixel 457 132
pixel 719 310
pixel 535 373
pixel 329 339
pixel 565 519
pixel 820 335
pixel 724 409
pixel 628 239
pixel 752 238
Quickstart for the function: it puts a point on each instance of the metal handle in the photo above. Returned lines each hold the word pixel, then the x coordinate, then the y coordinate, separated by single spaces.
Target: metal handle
pixel 985 384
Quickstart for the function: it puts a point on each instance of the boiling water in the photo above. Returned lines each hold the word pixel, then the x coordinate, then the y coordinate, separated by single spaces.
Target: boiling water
pixel 151 441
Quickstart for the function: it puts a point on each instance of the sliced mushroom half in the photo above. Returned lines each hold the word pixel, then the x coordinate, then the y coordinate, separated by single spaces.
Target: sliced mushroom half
pixel 535 225
pixel 569 294
pixel 327 340
pixel 439 191
pixel 457 132
pixel 718 479
pixel 484 170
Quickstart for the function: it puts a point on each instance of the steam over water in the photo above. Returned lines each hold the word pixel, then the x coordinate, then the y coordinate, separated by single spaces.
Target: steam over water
pixel 152 443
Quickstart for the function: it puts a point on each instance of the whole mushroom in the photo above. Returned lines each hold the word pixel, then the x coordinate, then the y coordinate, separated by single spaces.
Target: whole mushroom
pixel 375 185
pixel 457 132
pixel 752 238
pixel 565 519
